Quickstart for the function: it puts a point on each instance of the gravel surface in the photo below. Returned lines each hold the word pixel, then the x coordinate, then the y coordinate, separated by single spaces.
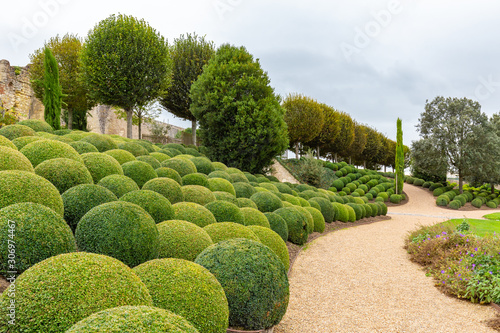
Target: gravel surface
pixel 360 280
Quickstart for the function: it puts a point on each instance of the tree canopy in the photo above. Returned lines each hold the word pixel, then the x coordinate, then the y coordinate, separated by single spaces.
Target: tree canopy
pixel 52 91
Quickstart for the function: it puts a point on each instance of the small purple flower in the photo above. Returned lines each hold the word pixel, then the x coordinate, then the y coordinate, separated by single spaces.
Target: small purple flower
pixel 475 249
pixel 442 272
pixel 444 232
pixel 472 255
pixel 491 272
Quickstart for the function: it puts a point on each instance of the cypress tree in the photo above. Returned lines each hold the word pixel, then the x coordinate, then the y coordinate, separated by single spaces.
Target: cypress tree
pixel 400 159
pixel 53 91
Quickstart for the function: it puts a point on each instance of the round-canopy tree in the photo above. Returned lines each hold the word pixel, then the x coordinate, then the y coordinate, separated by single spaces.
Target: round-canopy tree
pixel 329 131
pixel 240 117
pixel 189 54
pixel 126 63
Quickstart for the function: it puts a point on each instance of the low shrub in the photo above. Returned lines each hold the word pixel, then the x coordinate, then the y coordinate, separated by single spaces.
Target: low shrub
pixel 309 219
pixel 99 230
pixel 195 179
pixel 194 213
pixel 291 199
pixel 37 125
pixel 224 196
pixel 154 203
pixel 325 207
pixel 188 290
pixel 140 172
pixel 64 173
pixel 133 319
pixel 83 147
pixel 119 184
pixel 272 240
pixel 220 174
pixel 341 212
pixel 42 150
pixel 182 240
pixel 22 186
pixel 101 142
pixel 245 202
pixel 296 223
pixel 455 204
pixel 12 159
pixel 133 148
pixel 169 173
pixel 478 202
pixel 181 165
pixel 198 194
pixel 220 184
pixel 278 225
pixel 12 132
pixel 122 156
pixel 396 198
pixel 225 211
pixel 101 165
pixel 266 201
pixel 283 188
pixel 243 190
pixel 40 233
pixel 60 291
pixel 442 200
pixel 167 187
pixel 222 231
pixel 238 177
pixel 18 143
pixel 491 204
pixel 176 146
pixel 264 278
pixel 253 216
pixel 159 156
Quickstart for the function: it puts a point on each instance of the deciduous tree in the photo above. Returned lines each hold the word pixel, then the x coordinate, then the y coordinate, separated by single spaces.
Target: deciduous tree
pixel 329 131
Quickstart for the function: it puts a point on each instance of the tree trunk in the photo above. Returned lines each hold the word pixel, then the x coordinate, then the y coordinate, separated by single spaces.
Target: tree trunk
pixel 70 119
pixel 385 168
pixel 460 182
pixel 140 128
pixel 364 164
pixel 350 160
pixel 297 150
pixel 193 128
pixel 130 113
pixel 492 188
pixel 336 158
pixel 396 182
pixel 317 152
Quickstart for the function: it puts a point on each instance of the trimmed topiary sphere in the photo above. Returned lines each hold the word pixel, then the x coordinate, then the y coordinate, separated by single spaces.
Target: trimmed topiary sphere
pixel 4 142
pixel 341 212
pixel 121 230
pixel 255 217
pixel 160 156
pixel 100 141
pixel 224 196
pixel 194 213
pixel 225 211
pixel 220 174
pixel 245 202
pixel 219 232
pixel 308 217
pixel 64 173
pixel 83 147
pixel 278 225
pixel 181 165
pixel 238 177
pixel 176 146
pixel 12 132
pixel 291 199
pixel 60 291
pixel 220 184
pixel 182 240
pixel 140 172
pixel 326 208
pixel 42 150
pixel 198 194
pixel 271 239
pixel 39 233
pixel 154 203
pixel 254 280
pixel 22 186
pixel 203 165
pixel 243 190
pixel 219 166
pixel 133 148
pixel 150 160
pixel 195 179
pixel 80 199
pixel 37 125
pixel 396 198
pixel 12 159
pixel 296 223
pixel 119 184
pixel 167 187
pixel 169 173
pixel 266 201
pixel 122 156
pixel 20 142
pixel 133 319
pixel 188 290
pixel 101 165
pixel 319 220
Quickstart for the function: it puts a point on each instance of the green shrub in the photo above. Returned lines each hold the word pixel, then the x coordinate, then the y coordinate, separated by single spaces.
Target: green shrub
pixel 351 213
pixel 238 177
pixel 462 198
pixel 181 165
pixel 382 208
pixel 154 203
pixel 220 174
pixel 12 132
pixel 167 187
pixel 437 192
pixel 226 212
pixel 358 212
pixel 278 225
pixel 135 230
pixel 140 172
pixel 39 233
pixel 246 202
pixel 250 177
pixel 291 199
pixel 418 182
pixel 263 179
pixel 188 290
pixel 368 210
pixel 266 201
pixel 220 184
pixel 169 173
pixel 83 147
pixel 224 196
pixel 326 208
pixel 80 199
pixel 341 212
pixel 264 278
pixel 133 319
pixel 491 204
pixel 18 143
pixel 64 173
pixel 296 223
pixel 119 184
pixel 100 141
pixel 318 219
pixel 455 204
pixel 170 152
pixel 194 213
pixel 58 292
pixel 182 240
pixel 122 156
pixel 222 231
pixel 283 188
pixel 133 148
pixel 272 240
pixel 253 216
pixel 77 136
pixel 37 125
pixel 308 217
pixel 101 165
pixel 396 198
pixel 442 200
pixel 198 194
pixel 195 179
pixel 22 186
pixel 148 145
pixel 42 150
pixel 12 159
pixel 203 165
pixel 176 146
pixel 270 187
pixel 159 156
pixel 219 166
pixel 375 209
pixel 243 190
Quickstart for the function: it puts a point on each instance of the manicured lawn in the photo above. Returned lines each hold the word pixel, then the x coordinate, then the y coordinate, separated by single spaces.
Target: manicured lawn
pixel 480 227
pixel 493 216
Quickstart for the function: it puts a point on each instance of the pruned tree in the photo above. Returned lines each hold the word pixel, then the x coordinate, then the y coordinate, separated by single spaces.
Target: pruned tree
pixel 344 140
pixel 358 145
pixel 141 114
pixel 428 161
pixel 372 147
pixel 241 120
pixel 399 158
pixel 329 131
pixel 76 100
pixel 189 54
pixel 305 119
pixel 52 92
pixel 126 63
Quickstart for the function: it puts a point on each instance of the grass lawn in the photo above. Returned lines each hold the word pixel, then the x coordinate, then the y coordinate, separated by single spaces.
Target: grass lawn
pixel 493 216
pixel 480 227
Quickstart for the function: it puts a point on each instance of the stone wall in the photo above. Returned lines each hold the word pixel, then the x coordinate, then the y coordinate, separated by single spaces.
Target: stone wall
pixel 16 92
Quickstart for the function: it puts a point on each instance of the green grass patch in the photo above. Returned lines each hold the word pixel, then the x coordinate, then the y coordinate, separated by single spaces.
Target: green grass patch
pixel 492 216
pixel 478 226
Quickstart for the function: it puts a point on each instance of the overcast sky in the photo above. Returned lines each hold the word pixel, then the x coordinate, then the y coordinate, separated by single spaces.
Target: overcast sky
pixel 376 60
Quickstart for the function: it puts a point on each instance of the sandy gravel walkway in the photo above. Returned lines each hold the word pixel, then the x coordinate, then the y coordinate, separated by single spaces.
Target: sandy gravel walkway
pixel 360 280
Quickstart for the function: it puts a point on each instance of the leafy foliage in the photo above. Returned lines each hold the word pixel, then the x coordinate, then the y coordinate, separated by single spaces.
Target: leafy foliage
pixel 53 92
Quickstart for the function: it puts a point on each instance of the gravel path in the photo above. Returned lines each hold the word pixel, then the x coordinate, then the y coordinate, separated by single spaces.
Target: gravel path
pixel 360 280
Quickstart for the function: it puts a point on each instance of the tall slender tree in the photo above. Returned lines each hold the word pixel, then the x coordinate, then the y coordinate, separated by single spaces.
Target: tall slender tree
pixel 53 93
pixel 400 159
